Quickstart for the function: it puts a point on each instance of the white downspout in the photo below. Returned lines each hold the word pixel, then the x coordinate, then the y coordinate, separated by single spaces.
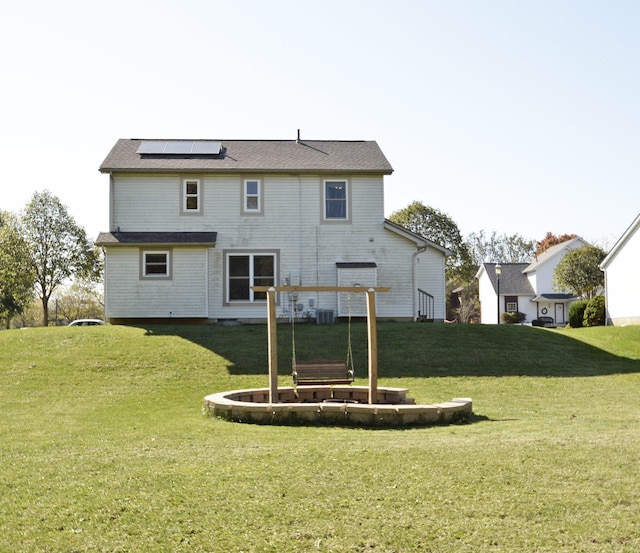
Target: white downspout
pixel 415 280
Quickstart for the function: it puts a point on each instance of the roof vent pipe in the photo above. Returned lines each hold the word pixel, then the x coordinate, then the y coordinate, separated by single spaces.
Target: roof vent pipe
pixel 298 139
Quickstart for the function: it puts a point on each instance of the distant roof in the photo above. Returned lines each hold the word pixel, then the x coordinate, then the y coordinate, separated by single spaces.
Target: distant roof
pixel 513 281
pixel 576 242
pixel 264 156
pixel 414 237
pixel 554 297
pixel 156 238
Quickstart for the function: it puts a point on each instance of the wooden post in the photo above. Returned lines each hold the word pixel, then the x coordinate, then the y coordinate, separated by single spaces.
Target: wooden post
pixel 372 337
pixel 272 326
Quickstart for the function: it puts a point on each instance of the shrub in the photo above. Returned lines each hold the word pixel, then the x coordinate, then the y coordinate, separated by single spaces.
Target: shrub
pixel 594 312
pixel 511 318
pixel 576 313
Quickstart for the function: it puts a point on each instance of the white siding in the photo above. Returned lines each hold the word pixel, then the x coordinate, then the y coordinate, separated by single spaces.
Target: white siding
pixel 488 299
pixel 623 293
pixel 355 304
pixel 430 268
pixel 129 296
pixel 291 223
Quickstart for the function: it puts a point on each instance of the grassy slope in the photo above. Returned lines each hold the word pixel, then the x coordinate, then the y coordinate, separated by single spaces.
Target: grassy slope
pixel 103 445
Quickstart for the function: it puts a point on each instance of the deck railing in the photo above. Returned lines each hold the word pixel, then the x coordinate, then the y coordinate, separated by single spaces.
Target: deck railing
pixel 426 303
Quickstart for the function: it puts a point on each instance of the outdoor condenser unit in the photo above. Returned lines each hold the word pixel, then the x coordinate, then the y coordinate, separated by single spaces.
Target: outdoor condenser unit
pixel 325 316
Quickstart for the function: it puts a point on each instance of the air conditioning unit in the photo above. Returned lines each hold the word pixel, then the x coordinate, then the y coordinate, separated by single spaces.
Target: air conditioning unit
pixel 325 317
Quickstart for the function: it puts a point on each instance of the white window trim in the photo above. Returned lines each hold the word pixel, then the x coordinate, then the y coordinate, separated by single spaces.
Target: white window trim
pixel 246 196
pixel 347 199
pixel 155 276
pixel 247 253
pixel 185 196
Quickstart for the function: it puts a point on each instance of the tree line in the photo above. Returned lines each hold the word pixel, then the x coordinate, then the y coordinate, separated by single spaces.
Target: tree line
pixel 578 272
pixel 41 250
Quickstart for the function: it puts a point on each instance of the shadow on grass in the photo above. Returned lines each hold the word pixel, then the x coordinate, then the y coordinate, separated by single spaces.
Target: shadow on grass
pixel 411 350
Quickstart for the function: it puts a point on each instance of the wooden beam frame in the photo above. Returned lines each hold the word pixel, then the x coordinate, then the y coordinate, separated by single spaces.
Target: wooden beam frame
pixel 272 324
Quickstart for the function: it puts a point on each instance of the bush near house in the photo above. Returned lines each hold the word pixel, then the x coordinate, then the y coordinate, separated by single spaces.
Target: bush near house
pixel 594 312
pixel 512 318
pixel 576 313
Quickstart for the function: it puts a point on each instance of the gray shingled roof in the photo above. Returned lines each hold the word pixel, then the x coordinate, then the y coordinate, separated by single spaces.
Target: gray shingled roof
pixel 555 297
pixel 513 282
pixel 264 156
pixel 156 238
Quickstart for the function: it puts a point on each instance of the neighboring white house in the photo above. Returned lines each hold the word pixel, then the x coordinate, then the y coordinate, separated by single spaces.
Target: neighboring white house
pixel 194 224
pixel 622 293
pixel 526 287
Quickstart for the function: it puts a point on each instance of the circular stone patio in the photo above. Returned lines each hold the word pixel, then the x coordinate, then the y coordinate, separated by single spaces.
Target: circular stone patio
pixel 340 405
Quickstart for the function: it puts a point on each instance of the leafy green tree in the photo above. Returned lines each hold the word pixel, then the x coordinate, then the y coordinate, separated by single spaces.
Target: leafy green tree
pixel 437 226
pixel 500 248
pixel 17 276
pixel 59 247
pixel 579 272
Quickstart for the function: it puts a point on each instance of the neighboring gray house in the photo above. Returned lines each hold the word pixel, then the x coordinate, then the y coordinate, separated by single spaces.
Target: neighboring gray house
pixel 194 224
pixel 621 278
pixel 526 287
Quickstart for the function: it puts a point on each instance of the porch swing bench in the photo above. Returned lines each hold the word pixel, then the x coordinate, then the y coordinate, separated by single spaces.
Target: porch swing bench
pixel 322 371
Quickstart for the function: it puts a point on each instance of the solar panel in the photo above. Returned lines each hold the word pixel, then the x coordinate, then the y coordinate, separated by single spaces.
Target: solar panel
pixel 178 147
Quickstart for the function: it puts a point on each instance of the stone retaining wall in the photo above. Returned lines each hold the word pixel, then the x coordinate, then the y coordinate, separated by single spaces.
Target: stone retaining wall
pixel 334 405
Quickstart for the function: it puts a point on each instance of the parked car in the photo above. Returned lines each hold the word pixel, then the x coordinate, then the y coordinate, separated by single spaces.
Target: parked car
pixel 86 322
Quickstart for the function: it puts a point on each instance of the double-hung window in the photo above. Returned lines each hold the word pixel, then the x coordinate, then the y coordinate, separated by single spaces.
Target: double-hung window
pixel 336 206
pixel 191 196
pixel 252 197
pixel 245 270
pixel 156 264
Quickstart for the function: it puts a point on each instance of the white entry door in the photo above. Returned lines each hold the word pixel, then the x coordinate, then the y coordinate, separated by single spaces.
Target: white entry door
pixel 559 313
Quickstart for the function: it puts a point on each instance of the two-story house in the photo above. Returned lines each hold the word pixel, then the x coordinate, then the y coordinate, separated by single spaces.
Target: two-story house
pixel 195 224
pixel 526 287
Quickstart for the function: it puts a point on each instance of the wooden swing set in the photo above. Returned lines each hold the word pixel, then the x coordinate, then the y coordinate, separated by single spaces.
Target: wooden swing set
pixel 324 372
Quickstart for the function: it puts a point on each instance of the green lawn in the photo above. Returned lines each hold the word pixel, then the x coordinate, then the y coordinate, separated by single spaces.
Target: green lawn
pixel 104 446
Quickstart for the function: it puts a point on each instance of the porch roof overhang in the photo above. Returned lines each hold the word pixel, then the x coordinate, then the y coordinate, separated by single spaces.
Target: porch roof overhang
pixel 157 239
pixel 558 298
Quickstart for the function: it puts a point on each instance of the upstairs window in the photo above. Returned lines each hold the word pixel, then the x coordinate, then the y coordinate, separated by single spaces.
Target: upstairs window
pixel 252 202
pixel 156 264
pixel 335 200
pixel 191 195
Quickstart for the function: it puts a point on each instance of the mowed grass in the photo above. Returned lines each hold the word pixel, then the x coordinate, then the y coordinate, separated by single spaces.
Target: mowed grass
pixel 104 446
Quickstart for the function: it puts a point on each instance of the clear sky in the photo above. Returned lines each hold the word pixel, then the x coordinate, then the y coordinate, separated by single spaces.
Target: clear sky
pixel 516 116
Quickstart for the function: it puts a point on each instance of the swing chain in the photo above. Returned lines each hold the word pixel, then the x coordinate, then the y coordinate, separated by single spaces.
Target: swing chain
pixel 349 363
pixel 293 339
